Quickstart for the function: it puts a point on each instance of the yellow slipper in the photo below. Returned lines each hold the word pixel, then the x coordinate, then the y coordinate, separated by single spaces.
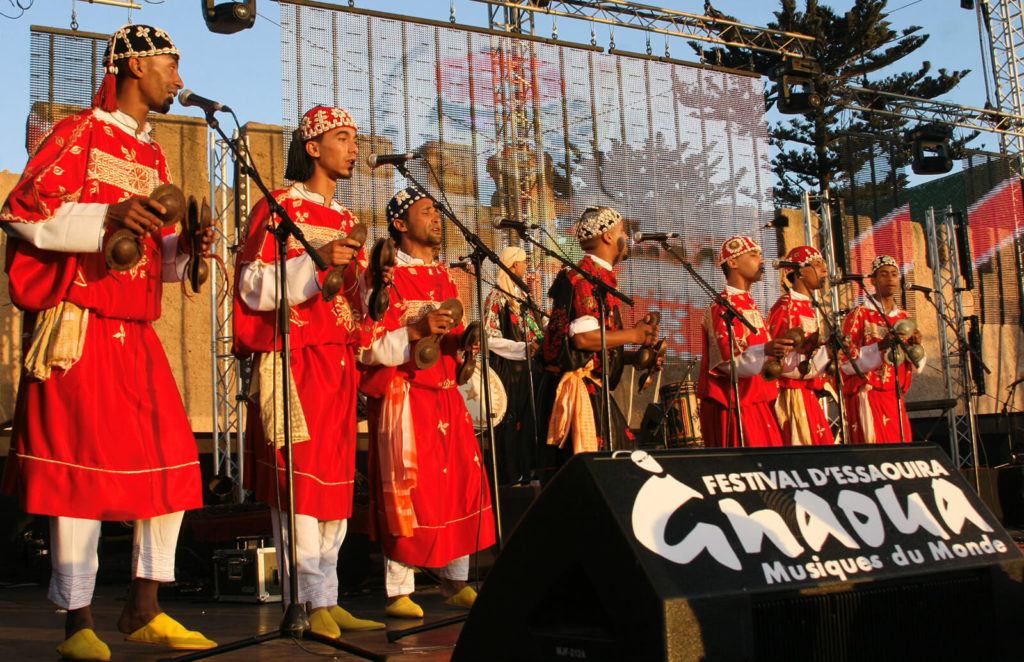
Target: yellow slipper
pixel 165 631
pixel 404 607
pixel 321 623
pixel 84 645
pixel 348 623
pixel 463 599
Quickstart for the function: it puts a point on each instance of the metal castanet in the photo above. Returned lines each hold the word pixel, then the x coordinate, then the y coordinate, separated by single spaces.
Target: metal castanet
pixel 198 217
pixel 894 354
pixel 427 350
pixel 335 278
pixel 651 356
pixel 122 249
pixel 772 368
pixel 383 254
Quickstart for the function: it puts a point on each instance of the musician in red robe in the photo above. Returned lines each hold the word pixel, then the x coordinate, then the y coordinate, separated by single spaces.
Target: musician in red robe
pixel 798 408
pixel 100 431
pixel 873 404
pixel 429 491
pixel 742 264
pixel 571 394
pixel 324 379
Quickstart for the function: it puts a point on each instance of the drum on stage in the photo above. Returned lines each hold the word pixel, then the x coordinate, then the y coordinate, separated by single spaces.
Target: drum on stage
pixel 473 394
pixel 682 415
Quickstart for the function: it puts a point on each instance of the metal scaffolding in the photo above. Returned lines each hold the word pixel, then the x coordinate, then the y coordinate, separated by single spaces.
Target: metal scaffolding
pixel 669 22
pixel 229 204
pixel 818 233
pixel 942 255
pixel 1005 23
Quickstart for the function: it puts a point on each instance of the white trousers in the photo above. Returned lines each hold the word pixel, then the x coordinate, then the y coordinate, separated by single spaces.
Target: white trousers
pixel 74 544
pixel 400 578
pixel 317 545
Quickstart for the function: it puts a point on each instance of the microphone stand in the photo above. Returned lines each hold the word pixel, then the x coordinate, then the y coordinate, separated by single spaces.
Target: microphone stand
pixel 838 345
pixel 603 288
pixel 730 314
pixel 900 405
pixel 295 623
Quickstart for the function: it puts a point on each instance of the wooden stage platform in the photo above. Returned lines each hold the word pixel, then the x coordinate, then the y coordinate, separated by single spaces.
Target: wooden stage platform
pixel 31 628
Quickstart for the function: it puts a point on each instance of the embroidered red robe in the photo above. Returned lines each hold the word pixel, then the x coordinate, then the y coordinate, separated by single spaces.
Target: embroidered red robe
pixel 451 498
pixel 798 409
pixel 717 403
pixel 107 439
pixel 324 335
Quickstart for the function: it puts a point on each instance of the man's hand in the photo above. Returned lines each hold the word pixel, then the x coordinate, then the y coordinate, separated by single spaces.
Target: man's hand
pixel 135 214
pixel 645 334
pixel 339 252
pixel 436 322
pixel 778 347
pixel 206 237
pixel 387 274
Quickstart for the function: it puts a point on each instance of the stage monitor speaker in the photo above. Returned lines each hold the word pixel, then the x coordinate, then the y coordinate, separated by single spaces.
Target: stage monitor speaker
pixel 840 553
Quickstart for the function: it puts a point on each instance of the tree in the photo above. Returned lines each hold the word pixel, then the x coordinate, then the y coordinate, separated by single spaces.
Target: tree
pixel 849 49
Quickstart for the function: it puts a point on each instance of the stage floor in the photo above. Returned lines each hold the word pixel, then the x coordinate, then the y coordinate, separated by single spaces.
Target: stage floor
pixel 31 628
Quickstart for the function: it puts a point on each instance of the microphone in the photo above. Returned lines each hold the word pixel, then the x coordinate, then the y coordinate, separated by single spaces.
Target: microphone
pixel 847 278
pixel 509 224
pixel 786 264
pixel 917 288
pixel 654 236
pixel 465 266
pixel 374 160
pixel 190 98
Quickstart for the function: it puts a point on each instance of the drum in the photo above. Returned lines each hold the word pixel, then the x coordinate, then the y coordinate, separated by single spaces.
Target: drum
pixel 472 393
pixel 682 415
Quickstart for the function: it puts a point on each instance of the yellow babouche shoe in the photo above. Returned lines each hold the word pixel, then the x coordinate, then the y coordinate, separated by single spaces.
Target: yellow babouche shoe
pixel 464 598
pixel 404 607
pixel 165 631
pixel 348 623
pixel 322 623
pixel 84 645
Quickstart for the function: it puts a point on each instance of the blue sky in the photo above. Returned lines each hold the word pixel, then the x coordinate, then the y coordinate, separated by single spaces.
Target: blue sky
pixel 243 69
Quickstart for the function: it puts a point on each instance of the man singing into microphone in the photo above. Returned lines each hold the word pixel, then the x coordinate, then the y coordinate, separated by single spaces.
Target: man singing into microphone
pixel 797 408
pixel 741 262
pixel 430 498
pixel 100 432
pixel 324 379
pixel 873 405
pixel 570 396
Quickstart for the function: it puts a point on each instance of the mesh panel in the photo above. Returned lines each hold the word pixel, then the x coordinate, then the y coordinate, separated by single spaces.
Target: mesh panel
pixel 537 131
pixel 65 70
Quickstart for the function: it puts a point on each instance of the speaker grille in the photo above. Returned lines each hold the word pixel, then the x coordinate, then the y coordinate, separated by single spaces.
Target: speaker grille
pixel 945 617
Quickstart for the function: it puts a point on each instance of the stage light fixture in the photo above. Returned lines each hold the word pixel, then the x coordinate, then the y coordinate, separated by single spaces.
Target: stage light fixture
pixel 929 149
pixel 229 17
pixel 795 86
pixel 967 4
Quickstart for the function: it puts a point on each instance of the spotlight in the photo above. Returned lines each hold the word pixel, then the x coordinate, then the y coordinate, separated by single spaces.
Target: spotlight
pixel 795 85
pixel 229 17
pixel 967 4
pixel 930 150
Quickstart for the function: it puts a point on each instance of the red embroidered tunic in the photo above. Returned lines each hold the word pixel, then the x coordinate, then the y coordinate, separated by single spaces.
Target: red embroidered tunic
pixel 324 335
pixel 803 421
pixel 871 403
pixel 714 386
pixel 108 438
pixel 451 499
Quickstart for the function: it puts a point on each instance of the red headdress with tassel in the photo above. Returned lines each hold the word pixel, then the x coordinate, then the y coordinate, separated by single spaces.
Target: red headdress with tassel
pixel 130 41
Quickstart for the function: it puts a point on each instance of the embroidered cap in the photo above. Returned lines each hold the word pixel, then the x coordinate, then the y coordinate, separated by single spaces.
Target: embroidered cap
pixel 321 119
pixel 882 261
pixel 401 202
pixel 803 254
pixel 736 246
pixel 130 41
pixel 595 221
